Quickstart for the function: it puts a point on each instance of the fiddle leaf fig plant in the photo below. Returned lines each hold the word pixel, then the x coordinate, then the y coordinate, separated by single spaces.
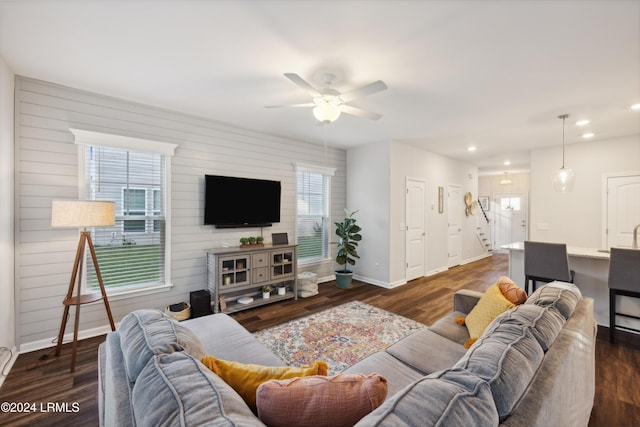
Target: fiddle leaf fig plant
pixel 349 233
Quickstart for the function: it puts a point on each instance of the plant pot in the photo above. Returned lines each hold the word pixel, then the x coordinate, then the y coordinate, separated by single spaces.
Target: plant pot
pixel 282 291
pixel 343 280
pixel 266 295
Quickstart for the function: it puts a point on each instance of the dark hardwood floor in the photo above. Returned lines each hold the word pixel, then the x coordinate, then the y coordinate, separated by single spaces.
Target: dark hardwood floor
pixel 39 378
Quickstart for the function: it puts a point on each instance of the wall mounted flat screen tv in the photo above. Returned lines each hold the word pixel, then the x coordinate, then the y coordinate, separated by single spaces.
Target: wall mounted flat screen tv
pixel 232 202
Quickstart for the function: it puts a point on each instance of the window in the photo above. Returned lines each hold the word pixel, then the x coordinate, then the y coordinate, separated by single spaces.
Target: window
pixel 139 204
pixel 510 203
pixel 132 254
pixel 312 223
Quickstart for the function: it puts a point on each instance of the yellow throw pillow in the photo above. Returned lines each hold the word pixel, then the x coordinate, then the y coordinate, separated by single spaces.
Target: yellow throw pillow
pixel 490 306
pixel 246 378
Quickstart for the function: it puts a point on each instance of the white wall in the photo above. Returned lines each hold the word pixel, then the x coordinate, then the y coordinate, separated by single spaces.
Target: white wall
pixel 376 185
pixel 368 192
pixel 575 218
pixel 439 171
pixel 47 168
pixel 7 324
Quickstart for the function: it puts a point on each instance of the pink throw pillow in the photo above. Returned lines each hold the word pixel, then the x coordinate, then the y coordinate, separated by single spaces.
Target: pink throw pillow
pixel 319 401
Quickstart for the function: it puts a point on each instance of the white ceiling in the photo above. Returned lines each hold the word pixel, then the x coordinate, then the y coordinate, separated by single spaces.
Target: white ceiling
pixel 493 74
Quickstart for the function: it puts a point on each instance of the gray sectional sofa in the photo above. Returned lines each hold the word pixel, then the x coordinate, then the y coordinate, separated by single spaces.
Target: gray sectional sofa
pixel 533 366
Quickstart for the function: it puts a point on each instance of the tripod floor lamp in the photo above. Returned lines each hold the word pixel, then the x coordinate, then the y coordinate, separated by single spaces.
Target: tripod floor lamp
pixel 81 213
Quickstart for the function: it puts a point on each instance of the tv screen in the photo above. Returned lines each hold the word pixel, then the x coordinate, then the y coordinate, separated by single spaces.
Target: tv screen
pixel 241 202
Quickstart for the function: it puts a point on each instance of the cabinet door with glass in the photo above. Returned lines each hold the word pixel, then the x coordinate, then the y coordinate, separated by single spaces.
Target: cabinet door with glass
pixel 282 264
pixel 234 271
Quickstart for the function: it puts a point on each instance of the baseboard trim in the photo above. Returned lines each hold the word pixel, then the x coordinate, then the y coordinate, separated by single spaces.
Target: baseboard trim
pixel 326 278
pixel 477 258
pixel 380 283
pixel 436 271
pixel 51 342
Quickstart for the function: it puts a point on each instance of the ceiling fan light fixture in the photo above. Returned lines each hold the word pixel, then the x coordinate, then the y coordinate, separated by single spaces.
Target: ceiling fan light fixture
pixel 564 177
pixel 326 111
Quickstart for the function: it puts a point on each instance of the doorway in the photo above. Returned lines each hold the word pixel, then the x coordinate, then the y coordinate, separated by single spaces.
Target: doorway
pixel 622 210
pixel 455 206
pixel 416 209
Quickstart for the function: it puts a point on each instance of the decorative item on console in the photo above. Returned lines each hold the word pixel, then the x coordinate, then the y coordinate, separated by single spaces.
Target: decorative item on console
pixel 251 242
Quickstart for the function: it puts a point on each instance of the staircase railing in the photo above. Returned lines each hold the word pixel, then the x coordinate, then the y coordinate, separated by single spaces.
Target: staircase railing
pixel 483 212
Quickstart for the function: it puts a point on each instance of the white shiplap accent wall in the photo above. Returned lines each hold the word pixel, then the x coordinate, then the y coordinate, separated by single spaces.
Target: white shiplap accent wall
pixel 47 168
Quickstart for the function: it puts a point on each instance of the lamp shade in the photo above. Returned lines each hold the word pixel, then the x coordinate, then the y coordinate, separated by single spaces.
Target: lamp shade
pixel 563 180
pixel 82 213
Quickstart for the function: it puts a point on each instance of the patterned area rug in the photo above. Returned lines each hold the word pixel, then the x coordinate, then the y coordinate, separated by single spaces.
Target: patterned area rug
pixel 341 336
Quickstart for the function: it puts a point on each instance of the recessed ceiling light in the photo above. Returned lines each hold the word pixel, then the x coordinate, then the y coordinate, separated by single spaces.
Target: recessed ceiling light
pixel 507 162
pixel 587 135
pixel 582 122
pixel 472 148
pixel 636 106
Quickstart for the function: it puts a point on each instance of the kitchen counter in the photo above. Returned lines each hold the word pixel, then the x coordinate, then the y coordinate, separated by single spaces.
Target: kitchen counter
pixel 591 267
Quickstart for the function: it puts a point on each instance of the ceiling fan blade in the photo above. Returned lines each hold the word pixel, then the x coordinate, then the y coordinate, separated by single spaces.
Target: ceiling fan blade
pixel 302 84
pixel 348 109
pixel 365 90
pixel 309 104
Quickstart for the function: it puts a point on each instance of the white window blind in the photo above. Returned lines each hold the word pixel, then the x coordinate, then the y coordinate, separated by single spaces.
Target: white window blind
pixel 313 225
pixel 133 252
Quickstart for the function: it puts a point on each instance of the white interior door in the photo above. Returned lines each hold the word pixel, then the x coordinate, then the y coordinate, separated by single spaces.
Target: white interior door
pixel 623 210
pixel 416 208
pixel 455 206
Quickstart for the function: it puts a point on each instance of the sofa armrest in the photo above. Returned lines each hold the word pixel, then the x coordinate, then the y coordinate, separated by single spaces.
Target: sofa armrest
pixel 464 300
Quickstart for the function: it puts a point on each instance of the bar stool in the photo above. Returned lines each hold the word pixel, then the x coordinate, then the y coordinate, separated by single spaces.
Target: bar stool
pixel 624 279
pixel 545 262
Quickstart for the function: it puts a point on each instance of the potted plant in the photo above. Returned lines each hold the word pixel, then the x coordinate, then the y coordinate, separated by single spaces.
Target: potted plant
pixel 260 240
pixel 244 241
pixel 349 233
pixel 266 291
pixel 252 240
pixel 281 290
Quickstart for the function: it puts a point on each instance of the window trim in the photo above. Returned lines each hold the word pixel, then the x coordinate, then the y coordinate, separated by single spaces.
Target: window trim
pixel 330 172
pixel 84 138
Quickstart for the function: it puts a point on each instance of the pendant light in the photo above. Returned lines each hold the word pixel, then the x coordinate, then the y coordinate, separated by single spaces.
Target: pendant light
pixel 564 177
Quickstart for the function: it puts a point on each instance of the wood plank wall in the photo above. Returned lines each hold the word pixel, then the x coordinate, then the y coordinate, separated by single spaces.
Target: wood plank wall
pixel 47 168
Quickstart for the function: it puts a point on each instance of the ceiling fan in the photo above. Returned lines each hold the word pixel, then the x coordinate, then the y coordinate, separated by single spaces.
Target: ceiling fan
pixel 328 103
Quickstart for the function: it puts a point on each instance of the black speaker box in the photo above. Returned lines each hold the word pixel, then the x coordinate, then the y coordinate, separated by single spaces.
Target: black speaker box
pixel 200 303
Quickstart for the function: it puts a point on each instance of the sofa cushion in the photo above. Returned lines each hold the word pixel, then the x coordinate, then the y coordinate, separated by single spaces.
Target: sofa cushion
pixel 427 351
pixel 397 373
pixel 246 378
pixel 544 323
pixel 488 308
pixel 563 296
pixel 320 401
pixel 145 333
pixel 447 398
pixel 177 390
pixel 450 329
pixel 507 358
pixel 223 337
